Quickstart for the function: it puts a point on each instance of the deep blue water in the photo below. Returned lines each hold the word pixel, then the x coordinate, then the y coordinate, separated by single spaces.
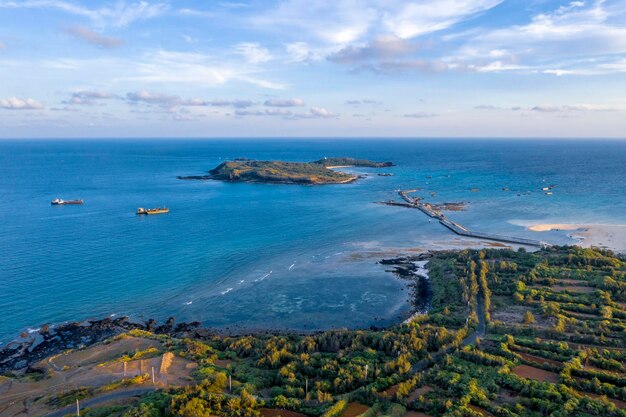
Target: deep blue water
pixel 263 256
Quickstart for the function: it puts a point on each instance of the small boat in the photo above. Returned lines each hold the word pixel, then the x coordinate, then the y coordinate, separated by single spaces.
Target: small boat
pixel 548 193
pixel 60 202
pixel 158 210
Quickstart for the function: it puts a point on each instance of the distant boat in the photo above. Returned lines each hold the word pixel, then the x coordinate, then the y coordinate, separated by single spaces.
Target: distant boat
pixel 549 193
pixel 60 202
pixel 158 210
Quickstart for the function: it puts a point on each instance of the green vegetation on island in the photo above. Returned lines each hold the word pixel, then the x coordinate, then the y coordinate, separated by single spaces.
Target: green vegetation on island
pixel 351 162
pixel 508 333
pixel 317 172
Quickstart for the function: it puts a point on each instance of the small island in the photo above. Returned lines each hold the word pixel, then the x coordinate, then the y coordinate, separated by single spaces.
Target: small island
pixel 279 172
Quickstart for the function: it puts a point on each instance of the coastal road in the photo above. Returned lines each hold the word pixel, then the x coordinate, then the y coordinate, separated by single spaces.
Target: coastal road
pixel 480 330
pixel 103 399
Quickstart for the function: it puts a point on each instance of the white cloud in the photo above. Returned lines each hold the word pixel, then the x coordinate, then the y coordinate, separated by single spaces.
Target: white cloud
pixel 120 15
pixel 266 112
pixel 418 18
pixel 88 35
pixel 164 100
pixel 277 102
pixel 365 101
pixel 322 112
pixel 164 67
pixel 302 52
pixel 379 48
pixel 86 97
pixel 316 113
pixel 570 108
pixel 253 52
pixel 336 22
pixel 578 38
pixel 550 108
pixel 15 103
pixel 152 98
pixel 419 115
pixel 238 103
pixel 342 22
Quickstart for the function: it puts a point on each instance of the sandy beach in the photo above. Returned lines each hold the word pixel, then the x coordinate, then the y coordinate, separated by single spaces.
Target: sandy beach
pixel 609 236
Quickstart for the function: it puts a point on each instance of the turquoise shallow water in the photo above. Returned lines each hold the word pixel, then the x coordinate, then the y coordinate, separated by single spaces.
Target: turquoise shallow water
pixel 263 256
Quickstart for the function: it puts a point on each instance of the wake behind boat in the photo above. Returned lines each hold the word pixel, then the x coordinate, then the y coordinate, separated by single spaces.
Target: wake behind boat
pixel 60 202
pixel 158 210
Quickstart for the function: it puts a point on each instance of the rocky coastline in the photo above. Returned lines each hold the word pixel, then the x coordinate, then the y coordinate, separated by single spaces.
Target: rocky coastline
pixel 19 356
pixel 409 268
pixel 278 172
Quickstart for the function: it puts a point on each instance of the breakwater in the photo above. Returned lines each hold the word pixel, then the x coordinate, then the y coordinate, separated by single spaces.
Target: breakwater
pixel 430 211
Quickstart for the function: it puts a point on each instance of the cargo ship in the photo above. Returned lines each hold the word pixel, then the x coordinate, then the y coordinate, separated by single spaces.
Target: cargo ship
pixel 158 210
pixel 60 202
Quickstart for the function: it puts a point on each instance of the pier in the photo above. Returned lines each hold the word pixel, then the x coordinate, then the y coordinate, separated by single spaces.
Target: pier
pixel 413 202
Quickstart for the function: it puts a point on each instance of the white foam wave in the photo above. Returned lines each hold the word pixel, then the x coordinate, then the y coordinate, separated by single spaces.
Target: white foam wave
pixel 263 277
pixel 226 291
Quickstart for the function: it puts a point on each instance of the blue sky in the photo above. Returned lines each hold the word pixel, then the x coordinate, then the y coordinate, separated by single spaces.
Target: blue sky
pixel 429 68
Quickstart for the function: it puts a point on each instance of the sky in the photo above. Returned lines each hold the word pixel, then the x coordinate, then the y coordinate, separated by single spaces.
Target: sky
pixel 312 68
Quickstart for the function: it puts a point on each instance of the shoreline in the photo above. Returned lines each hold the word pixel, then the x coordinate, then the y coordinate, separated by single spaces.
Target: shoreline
pixel 586 235
pixel 18 355
pixel 258 181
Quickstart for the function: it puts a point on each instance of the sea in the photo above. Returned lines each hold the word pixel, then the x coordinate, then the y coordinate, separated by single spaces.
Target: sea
pixel 246 256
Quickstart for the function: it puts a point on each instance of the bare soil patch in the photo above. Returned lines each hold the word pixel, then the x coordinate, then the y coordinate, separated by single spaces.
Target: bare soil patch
pixel 618 403
pixel 573 288
pixel 539 360
pixel 580 316
pixel 537 374
pixel 354 410
pixel 271 412
pixel 582 346
pixel 102 353
pixel 593 368
pixel 391 391
pixel 506 396
pixel 418 392
pixel 514 314
pixel 480 410
pixel 224 363
pixel 92 367
pixel 574 282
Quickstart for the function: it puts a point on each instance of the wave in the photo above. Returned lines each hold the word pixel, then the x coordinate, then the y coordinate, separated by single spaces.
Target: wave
pixel 292 265
pixel 226 291
pixel 188 303
pixel 264 276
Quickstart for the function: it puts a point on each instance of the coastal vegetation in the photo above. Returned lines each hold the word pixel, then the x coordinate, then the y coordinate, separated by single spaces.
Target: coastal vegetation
pixel 312 173
pixel 508 333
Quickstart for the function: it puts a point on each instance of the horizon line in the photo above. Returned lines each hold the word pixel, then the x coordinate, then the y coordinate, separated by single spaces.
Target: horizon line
pixel 321 138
